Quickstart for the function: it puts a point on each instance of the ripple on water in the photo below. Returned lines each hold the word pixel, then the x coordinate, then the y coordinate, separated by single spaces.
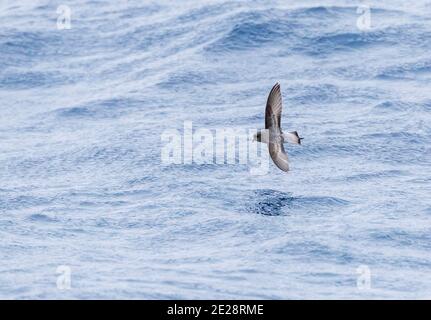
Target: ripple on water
pixel 39 217
pixel 276 203
pixel 108 108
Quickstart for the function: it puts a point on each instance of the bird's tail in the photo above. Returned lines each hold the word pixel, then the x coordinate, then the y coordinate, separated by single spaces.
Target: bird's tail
pixel 292 137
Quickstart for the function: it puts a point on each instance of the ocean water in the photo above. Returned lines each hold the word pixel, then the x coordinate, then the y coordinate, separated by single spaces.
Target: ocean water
pixel 89 210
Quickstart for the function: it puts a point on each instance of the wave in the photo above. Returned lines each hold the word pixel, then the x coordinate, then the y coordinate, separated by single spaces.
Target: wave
pixel 275 203
pixel 30 80
pixel 107 108
pixel 304 31
pixel 411 70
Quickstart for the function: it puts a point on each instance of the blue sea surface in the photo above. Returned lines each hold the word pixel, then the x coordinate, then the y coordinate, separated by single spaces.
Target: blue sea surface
pixel 82 112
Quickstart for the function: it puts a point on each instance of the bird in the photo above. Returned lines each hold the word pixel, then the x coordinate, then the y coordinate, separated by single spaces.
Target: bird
pixel 272 134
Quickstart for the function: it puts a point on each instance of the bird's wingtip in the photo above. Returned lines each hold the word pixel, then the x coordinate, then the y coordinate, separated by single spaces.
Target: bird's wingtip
pixel 275 86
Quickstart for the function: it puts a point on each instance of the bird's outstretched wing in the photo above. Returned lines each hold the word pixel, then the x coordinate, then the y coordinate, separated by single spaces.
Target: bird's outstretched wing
pixel 278 155
pixel 273 122
pixel 273 108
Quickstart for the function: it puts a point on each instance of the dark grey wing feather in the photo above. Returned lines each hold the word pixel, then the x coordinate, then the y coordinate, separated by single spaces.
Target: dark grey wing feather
pixel 278 155
pixel 273 108
pixel 273 122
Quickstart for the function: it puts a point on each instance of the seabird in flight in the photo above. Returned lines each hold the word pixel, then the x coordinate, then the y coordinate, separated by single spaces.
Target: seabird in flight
pixel 272 135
